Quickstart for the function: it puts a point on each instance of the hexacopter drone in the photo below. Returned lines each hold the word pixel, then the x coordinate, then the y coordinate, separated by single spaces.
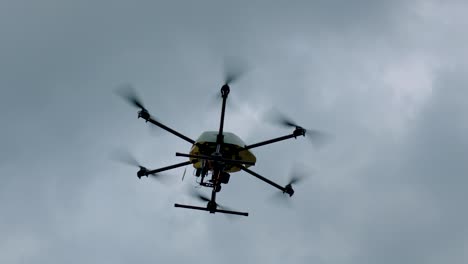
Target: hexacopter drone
pixel 217 154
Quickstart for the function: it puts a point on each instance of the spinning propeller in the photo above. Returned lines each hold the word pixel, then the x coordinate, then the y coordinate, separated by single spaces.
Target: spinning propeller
pixel 204 198
pixel 128 93
pixel 127 158
pixel 295 178
pixel 233 70
pixel 317 137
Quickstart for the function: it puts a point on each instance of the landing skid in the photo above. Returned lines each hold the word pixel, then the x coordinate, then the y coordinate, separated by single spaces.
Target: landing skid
pixel 210 210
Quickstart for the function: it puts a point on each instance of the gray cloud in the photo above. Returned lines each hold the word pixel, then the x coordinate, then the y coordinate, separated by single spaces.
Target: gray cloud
pixel 386 79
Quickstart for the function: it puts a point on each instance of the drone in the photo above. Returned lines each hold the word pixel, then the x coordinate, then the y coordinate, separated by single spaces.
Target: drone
pixel 215 155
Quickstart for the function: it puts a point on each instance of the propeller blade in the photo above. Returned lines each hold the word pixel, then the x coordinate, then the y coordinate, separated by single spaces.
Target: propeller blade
pixel 204 198
pixel 276 117
pixel 233 70
pixel 295 179
pixel 223 207
pixel 199 196
pixel 298 174
pixel 288 123
pixel 124 156
pixel 128 93
pixel 317 137
pixel 280 198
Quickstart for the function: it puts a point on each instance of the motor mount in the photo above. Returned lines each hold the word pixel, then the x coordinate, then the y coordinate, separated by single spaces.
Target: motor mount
pixel 144 114
pixel 142 172
pixel 299 131
pixel 289 190
pixel 225 90
pixel 211 206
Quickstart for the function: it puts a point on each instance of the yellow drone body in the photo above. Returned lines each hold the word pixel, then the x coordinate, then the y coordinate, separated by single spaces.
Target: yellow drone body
pixel 232 148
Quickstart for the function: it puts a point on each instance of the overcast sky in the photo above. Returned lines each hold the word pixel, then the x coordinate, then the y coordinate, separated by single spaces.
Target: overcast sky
pixel 386 78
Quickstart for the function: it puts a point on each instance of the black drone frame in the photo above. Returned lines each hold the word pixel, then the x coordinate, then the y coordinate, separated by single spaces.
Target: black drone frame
pixel 216 157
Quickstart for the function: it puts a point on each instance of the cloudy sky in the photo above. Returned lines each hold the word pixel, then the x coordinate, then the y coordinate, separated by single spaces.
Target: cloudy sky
pixel 386 78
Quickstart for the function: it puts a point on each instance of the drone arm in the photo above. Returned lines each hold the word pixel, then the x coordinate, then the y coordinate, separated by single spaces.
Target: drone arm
pixel 296 133
pixel 215 158
pixel 281 188
pixel 169 167
pixel 224 94
pixel 146 116
pixel 219 139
